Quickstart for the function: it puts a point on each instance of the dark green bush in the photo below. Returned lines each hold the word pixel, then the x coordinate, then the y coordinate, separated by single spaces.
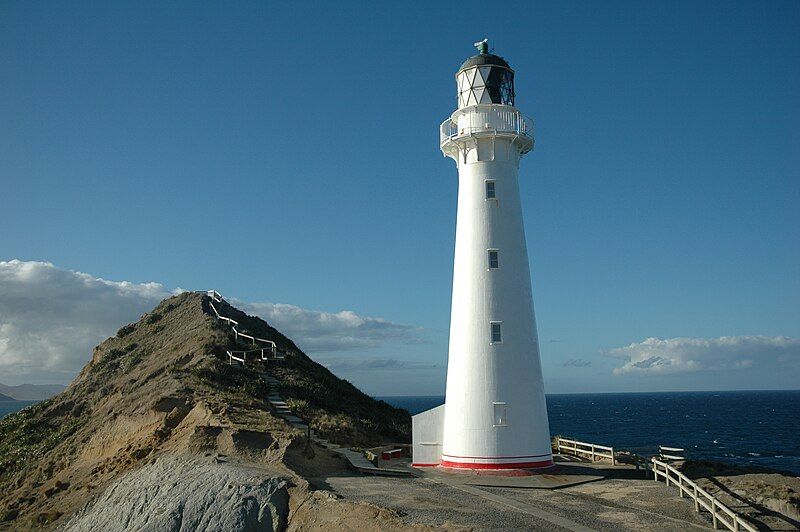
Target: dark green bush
pixel 126 330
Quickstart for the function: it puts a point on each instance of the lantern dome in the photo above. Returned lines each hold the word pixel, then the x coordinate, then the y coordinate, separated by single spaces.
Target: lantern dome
pixel 485 79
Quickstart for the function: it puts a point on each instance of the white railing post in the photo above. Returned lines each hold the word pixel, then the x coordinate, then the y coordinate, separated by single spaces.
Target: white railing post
pixel 592 453
pixel 714 512
pixel 696 503
pixel 680 485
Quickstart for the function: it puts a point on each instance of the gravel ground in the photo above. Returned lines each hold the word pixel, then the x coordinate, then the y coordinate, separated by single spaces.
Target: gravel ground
pixel 615 504
pixel 424 502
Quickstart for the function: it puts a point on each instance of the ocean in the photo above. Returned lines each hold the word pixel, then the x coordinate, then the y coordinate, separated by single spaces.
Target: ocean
pixel 7 407
pixel 760 429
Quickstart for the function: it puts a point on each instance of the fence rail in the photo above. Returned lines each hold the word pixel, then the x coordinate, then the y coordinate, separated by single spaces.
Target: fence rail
pixel 668 453
pixel 486 118
pixel 266 353
pixel 593 450
pixel 720 514
pixel 216 296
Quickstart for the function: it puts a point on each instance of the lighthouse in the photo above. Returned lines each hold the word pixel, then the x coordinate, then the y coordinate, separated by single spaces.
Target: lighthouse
pixel 494 416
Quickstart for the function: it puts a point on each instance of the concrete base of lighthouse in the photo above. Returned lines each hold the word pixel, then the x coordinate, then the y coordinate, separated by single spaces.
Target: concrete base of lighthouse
pixel 427 436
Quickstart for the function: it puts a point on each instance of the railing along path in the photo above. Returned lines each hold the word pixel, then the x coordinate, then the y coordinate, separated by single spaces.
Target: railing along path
pixel 720 514
pixel 592 450
pixel 264 353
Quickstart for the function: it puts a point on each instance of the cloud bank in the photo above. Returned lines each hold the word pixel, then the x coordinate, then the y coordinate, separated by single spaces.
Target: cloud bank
pixel 656 356
pixel 372 363
pixel 51 318
pixel 317 331
pixel 577 363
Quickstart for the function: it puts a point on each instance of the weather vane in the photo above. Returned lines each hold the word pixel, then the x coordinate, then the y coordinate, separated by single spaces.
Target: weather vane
pixel 482 46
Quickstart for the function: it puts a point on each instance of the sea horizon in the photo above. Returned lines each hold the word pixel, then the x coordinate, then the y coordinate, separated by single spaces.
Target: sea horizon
pixel 621 393
pixel 721 426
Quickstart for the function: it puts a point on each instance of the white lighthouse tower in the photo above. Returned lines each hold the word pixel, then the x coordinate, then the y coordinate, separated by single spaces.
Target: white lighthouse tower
pixel 494 416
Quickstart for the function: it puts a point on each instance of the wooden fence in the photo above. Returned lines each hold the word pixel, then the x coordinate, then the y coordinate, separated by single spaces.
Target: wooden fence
pixel 592 450
pixel 265 353
pixel 668 453
pixel 720 514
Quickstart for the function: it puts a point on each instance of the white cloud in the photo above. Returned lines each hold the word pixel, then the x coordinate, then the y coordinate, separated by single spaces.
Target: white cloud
pixel 577 363
pixel 372 363
pixel 682 355
pixel 50 319
pixel 315 331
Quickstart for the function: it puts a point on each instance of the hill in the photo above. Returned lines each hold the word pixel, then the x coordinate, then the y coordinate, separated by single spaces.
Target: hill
pixel 162 388
pixel 5 398
pixel 31 392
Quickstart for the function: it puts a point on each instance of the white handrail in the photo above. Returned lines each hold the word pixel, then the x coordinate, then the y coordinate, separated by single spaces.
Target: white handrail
pixel 664 456
pixel 273 348
pixel 486 118
pixel 214 295
pixel 591 449
pixel 719 512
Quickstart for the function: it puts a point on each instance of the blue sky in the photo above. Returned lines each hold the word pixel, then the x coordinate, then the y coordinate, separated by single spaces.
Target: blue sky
pixel 288 153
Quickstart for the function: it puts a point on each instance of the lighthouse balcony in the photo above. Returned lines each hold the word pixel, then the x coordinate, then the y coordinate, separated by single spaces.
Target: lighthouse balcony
pixel 485 121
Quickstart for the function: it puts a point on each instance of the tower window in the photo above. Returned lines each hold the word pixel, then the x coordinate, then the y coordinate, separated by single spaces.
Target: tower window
pixel 494 260
pixel 500 414
pixel 490 190
pixel 497 332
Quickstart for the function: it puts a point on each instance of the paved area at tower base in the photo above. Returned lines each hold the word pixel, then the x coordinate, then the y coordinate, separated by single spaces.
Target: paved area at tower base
pixel 622 500
pixel 562 475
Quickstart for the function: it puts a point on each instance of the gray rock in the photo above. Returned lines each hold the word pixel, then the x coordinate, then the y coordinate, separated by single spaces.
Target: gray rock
pixel 177 493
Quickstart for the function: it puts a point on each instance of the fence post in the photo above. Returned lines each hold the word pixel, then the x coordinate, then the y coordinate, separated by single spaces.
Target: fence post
pixel 614 459
pixel 592 453
pixel 696 504
pixel 558 445
pixel 680 485
pixel 714 512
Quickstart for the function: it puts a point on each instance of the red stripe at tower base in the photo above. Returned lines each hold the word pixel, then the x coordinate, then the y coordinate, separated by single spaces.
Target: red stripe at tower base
pixel 517 465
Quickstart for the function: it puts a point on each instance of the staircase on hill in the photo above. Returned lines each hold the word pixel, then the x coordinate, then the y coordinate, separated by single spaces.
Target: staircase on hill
pixel 262 353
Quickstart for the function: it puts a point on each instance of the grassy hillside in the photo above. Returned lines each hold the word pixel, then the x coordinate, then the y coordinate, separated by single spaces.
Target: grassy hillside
pixel 338 410
pixel 163 384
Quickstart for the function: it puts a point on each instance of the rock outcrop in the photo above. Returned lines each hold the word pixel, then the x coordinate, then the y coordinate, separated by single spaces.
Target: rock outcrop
pixel 174 493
